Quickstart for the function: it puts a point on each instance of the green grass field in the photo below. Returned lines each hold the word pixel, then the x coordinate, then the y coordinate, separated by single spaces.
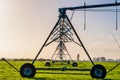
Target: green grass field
pixel 8 73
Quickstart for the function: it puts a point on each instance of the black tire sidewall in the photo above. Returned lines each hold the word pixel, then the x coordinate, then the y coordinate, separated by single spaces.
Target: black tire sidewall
pixel 31 67
pixel 47 64
pixel 100 67
pixel 74 64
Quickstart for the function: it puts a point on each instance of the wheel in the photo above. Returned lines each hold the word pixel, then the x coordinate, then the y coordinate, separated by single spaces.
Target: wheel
pixel 47 64
pixel 74 64
pixel 27 70
pixel 98 71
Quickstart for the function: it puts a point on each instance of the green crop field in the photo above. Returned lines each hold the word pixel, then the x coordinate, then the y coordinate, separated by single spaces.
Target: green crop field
pixel 9 73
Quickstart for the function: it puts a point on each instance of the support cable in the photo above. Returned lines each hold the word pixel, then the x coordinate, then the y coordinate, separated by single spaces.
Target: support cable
pixel 116 16
pixel 10 64
pixel 113 67
pixel 115 40
pixel 119 47
pixel 72 15
pixel 84 17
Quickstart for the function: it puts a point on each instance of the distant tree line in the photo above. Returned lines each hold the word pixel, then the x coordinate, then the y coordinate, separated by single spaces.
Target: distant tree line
pixel 24 59
pixel 100 59
pixel 103 59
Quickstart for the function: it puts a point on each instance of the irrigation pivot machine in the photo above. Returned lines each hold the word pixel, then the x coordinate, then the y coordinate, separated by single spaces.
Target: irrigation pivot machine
pixel 62 32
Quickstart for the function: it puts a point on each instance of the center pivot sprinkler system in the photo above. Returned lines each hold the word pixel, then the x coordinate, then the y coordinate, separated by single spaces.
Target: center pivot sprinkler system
pixel 61 33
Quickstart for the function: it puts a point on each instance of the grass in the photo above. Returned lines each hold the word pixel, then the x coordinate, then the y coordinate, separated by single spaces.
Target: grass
pixel 8 73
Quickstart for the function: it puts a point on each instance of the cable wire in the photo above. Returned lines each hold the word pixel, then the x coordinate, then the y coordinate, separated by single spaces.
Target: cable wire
pixel 116 16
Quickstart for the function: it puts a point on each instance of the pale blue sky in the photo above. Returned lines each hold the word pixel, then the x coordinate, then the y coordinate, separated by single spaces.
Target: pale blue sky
pixel 25 24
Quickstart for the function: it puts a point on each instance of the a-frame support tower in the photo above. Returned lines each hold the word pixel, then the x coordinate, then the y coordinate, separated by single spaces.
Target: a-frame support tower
pixel 62 33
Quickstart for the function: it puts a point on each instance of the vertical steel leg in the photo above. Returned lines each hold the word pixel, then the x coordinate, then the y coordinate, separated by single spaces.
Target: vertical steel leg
pixel 80 40
pixel 46 40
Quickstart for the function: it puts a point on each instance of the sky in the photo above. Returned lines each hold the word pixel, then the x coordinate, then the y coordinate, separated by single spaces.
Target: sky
pixel 25 25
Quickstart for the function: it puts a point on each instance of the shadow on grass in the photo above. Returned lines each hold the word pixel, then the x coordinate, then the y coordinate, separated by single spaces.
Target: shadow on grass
pixel 37 78
pixel 63 73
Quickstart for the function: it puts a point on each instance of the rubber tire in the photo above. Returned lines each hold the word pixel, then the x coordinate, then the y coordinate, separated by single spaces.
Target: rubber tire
pixel 75 64
pixel 27 70
pixel 47 64
pixel 98 71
